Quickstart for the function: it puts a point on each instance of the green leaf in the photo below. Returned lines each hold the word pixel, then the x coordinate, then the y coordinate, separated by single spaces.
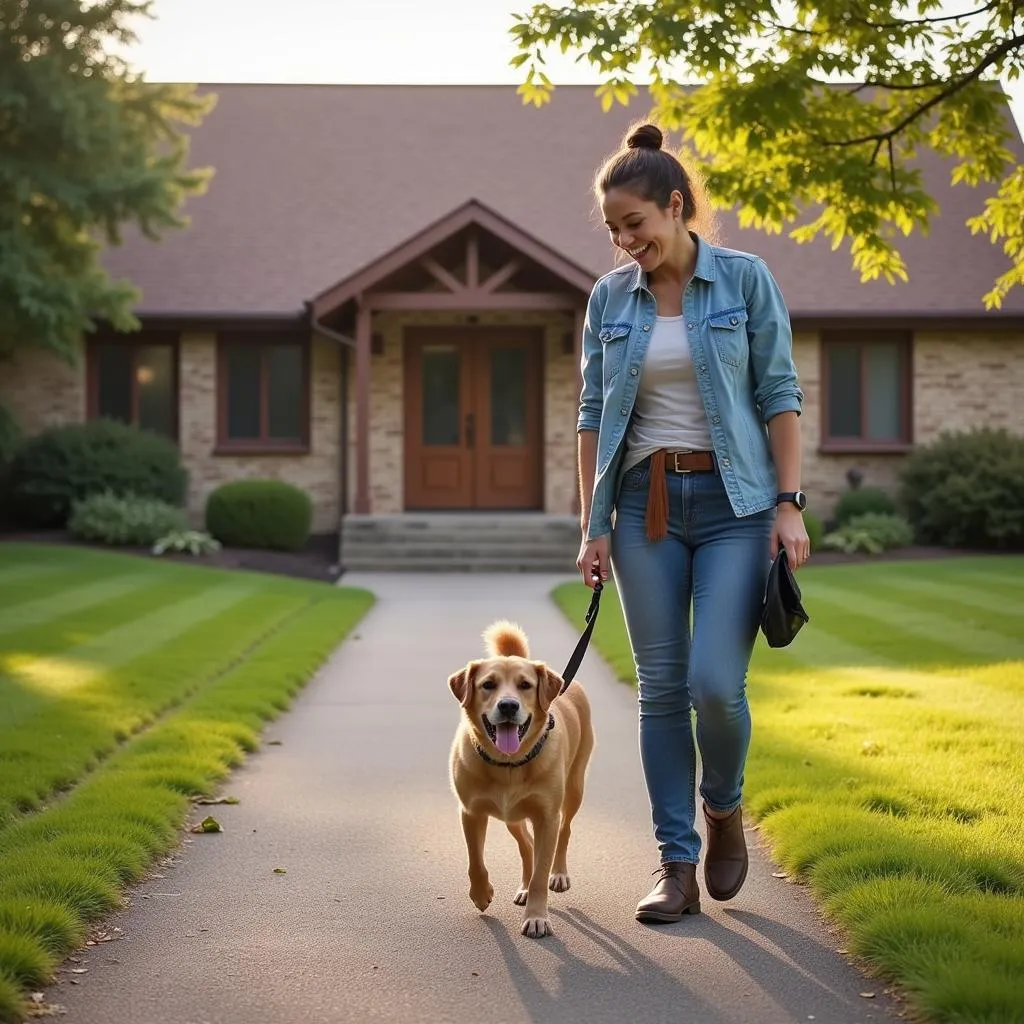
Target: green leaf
pixel 208 824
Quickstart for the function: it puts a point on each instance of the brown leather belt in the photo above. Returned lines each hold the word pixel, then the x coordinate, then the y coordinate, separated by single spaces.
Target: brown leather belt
pixel 662 462
pixel 689 462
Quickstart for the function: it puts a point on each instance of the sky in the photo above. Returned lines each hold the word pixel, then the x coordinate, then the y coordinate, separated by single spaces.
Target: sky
pixel 435 42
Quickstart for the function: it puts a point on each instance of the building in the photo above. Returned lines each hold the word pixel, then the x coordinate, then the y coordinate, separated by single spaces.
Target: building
pixel 380 299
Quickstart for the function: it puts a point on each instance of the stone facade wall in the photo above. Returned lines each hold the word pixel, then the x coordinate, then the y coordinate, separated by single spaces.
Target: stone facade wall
pixel 387 406
pixel 318 472
pixel 43 391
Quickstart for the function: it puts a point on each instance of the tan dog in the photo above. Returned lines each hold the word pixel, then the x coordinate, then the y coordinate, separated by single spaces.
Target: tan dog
pixel 520 754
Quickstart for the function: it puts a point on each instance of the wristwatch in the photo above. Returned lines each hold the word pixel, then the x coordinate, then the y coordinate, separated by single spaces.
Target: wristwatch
pixel 797 498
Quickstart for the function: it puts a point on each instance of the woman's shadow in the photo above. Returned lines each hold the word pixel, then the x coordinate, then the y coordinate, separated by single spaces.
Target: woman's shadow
pixel 635 989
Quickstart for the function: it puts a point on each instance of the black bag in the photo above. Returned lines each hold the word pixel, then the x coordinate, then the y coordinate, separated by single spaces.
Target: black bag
pixel 782 615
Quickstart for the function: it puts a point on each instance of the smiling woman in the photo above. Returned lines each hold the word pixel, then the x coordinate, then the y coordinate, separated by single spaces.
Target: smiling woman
pixel 688 434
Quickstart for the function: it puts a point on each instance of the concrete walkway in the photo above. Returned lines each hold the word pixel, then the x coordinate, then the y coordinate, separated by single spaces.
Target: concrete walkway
pixel 372 920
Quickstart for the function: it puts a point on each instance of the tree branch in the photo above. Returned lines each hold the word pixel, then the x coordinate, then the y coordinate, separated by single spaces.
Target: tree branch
pixel 797 30
pixel 954 87
pixel 923 21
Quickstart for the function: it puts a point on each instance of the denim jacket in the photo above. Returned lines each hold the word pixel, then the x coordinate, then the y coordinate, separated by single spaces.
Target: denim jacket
pixel 741 344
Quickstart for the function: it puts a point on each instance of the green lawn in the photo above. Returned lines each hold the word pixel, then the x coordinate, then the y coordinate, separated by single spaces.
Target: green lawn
pixel 127 686
pixel 887 769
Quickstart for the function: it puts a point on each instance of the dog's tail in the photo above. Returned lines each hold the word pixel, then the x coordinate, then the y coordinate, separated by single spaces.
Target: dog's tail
pixel 507 639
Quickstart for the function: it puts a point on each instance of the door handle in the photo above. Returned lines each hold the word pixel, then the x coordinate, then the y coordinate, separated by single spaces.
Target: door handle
pixel 470 430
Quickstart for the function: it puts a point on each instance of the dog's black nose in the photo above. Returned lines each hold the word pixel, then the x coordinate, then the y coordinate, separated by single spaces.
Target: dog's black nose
pixel 508 707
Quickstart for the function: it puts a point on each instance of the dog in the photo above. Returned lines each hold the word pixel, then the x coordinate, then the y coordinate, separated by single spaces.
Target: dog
pixel 520 754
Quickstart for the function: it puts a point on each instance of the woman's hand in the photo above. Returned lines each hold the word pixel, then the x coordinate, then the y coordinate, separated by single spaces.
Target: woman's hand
pixel 790 533
pixel 593 560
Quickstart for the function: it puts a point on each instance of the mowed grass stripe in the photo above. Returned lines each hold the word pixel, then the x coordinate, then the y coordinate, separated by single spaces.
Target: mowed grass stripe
pixel 65 602
pixel 953 593
pixel 918 622
pixel 947 599
pixel 24 570
pixel 817 646
pixel 83 625
pixel 92 715
pixel 127 642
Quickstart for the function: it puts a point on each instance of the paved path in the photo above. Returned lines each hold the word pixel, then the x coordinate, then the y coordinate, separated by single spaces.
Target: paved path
pixel 372 921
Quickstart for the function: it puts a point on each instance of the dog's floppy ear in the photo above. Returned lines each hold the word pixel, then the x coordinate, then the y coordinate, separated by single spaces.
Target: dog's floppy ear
pixel 548 684
pixel 461 683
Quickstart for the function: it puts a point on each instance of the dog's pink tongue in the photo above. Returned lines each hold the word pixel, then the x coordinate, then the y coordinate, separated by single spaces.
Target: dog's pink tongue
pixel 507 738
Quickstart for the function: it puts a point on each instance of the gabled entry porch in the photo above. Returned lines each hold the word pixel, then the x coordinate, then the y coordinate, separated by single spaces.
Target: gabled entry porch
pixel 466 371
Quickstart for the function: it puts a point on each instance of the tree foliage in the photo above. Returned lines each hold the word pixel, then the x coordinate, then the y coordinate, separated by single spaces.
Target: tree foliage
pixel 86 148
pixel 815 114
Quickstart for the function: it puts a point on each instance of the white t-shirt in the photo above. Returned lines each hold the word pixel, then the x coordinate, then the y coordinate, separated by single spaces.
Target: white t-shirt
pixel 668 412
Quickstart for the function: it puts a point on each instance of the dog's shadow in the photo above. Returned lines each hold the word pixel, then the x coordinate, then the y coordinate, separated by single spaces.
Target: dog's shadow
pixel 601 992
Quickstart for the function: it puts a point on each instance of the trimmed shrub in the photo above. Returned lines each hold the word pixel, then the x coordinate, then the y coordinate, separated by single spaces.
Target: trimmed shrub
pixel 65 464
pixel 259 514
pixel 815 530
pixel 871 534
pixel 139 522
pixel 967 490
pixel 861 501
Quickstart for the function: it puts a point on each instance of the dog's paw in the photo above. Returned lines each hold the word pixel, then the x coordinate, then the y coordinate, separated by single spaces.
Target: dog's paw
pixel 481 895
pixel 520 897
pixel 558 883
pixel 536 927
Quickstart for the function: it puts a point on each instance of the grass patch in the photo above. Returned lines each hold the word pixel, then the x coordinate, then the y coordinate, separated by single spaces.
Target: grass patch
pixel 115 711
pixel 886 768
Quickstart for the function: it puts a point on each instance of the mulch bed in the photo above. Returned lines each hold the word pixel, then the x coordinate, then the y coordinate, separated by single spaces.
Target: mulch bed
pixel 317 561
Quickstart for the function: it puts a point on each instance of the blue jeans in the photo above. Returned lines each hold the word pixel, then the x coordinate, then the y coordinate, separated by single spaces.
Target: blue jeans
pixel 721 562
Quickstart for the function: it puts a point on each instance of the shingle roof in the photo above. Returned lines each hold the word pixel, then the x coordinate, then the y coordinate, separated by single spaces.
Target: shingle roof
pixel 313 182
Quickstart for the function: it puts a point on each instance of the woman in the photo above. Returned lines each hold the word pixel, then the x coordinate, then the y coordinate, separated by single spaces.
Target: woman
pixel 688 429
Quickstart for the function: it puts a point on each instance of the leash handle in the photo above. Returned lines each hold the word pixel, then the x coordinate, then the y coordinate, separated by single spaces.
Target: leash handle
pixel 584 641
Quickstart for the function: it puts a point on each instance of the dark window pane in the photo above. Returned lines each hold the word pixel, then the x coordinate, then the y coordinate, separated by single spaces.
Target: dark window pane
pixel 508 396
pixel 243 392
pixel 885 391
pixel 284 392
pixel 154 380
pixel 844 390
pixel 114 382
pixel 440 395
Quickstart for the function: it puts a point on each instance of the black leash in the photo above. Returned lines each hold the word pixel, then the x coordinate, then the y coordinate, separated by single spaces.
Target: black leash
pixel 581 648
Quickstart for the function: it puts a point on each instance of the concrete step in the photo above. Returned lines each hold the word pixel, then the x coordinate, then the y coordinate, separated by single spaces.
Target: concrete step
pixel 486 542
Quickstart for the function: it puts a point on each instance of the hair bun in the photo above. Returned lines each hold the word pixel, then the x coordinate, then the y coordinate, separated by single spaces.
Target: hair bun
pixel 647 136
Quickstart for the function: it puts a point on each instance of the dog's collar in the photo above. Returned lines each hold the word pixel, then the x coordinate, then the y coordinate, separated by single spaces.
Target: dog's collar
pixel 537 747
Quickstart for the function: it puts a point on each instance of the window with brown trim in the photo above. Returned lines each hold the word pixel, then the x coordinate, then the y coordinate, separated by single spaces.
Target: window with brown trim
pixel 134 380
pixel 866 391
pixel 262 393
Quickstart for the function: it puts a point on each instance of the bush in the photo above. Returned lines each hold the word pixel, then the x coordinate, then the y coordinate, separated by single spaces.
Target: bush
pixel 259 514
pixel 860 502
pixel 65 464
pixel 815 530
pixel 967 490
pixel 139 522
pixel 193 542
pixel 871 534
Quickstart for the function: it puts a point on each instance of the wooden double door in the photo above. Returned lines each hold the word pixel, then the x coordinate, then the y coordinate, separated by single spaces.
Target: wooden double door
pixel 473 430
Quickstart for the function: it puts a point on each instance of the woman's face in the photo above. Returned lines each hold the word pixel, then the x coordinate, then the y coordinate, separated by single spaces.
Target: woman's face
pixel 639 228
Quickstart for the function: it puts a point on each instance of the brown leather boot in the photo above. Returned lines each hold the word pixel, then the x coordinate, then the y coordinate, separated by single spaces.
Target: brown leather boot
pixel 725 864
pixel 675 894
